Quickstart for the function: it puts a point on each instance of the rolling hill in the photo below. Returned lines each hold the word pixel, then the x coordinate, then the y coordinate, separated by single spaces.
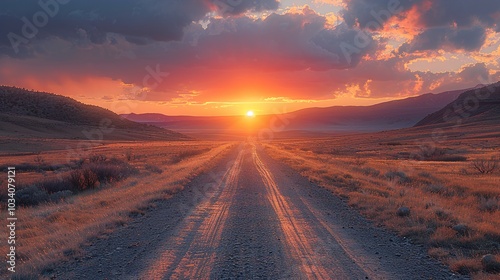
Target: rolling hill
pixel 384 116
pixel 477 106
pixel 27 114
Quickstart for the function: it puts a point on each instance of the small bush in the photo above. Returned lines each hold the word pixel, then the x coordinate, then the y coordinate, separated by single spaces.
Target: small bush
pixel 370 171
pixel 31 196
pixel 39 160
pixel 485 166
pixel 54 186
pixel 97 158
pixel 437 189
pixel 83 179
pixel 429 153
pixel 488 204
pixel 128 155
pixel 112 171
pixel 78 162
pixel 76 179
pixel 425 174
pixel 398 175
pixel 153 168
pixel 58 196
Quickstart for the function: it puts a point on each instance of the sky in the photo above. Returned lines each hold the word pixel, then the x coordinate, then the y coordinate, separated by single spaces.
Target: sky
pixel 226 57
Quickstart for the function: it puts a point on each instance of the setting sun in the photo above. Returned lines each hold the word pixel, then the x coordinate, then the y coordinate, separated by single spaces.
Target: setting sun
pixel 250 114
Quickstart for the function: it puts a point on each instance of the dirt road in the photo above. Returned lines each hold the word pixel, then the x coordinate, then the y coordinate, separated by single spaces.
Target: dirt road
pixel 252 217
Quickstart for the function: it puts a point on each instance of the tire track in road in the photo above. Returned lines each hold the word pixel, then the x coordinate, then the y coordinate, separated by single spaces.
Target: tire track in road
pixel 190 254
pixel 303 240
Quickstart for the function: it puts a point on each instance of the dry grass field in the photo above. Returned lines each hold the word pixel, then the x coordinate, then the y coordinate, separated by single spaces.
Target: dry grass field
pixel 423 186
pixel 71 200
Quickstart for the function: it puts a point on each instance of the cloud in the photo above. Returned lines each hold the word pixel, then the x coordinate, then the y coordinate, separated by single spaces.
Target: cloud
pixel 445 38
pixel 288 42
pixel 444 24
pixel 237 7
pixel 235 56
pixel 478 73
pixel 139 22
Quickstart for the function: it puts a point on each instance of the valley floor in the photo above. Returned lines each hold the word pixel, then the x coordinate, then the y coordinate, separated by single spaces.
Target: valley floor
pixel 251 216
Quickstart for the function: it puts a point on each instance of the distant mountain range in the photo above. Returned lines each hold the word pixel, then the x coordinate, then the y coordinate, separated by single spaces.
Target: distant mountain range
pixel 30 114
pixel 384 116
pixel 476 106
pixel 25 113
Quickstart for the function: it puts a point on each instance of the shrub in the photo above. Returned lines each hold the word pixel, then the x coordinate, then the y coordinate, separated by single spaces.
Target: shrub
pixel 90 178
pixel 128 155
pixel 83 179
pixel 398 175
pixel 76 179
pixel 425 174
pixel 78 162
pixel 370 171
pixel 53 186
pixel 437 189
pixel 153 168
pixel 485 166
pixel 97 158
pixel 58 196
pixel 31 196
pixel 112 171
pixel 429 153
pixel 488 204
pixel 39 160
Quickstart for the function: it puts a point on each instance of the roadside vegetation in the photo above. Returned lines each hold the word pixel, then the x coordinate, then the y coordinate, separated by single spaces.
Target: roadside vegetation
pixel 63 206
pixel 447 197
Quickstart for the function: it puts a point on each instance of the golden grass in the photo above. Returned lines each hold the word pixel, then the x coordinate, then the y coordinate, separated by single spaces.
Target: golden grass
pixel 51 232
pixel 454 210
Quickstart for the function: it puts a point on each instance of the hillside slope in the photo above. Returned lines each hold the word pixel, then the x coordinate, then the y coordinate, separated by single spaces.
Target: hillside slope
pixel 480 105
pixel 384 116
pixel 25 114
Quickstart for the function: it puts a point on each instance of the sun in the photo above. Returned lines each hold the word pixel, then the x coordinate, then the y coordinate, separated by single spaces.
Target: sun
pixel 250 114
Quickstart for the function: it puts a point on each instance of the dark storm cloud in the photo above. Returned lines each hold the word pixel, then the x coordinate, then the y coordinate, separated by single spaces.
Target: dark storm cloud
pixel 452 24
pixel 477 72
pixel 364 12
pixel 138 21
pixel 468 39
pixel 293 41
pixel 236 7
pixel 464 13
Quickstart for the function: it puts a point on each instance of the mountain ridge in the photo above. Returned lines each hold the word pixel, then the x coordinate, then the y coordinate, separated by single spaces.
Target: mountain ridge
pixel 472 106
pixel 48 115
pixel 383 116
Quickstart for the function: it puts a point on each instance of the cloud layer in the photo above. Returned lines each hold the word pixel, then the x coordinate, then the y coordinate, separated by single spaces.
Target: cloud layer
pixel 227 50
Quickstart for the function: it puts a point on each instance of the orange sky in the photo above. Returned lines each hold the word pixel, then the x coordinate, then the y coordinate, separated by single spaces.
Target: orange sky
pixel 265 56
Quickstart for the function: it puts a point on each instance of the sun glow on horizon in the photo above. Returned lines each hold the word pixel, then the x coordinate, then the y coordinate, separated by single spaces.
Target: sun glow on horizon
pixel 250 114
